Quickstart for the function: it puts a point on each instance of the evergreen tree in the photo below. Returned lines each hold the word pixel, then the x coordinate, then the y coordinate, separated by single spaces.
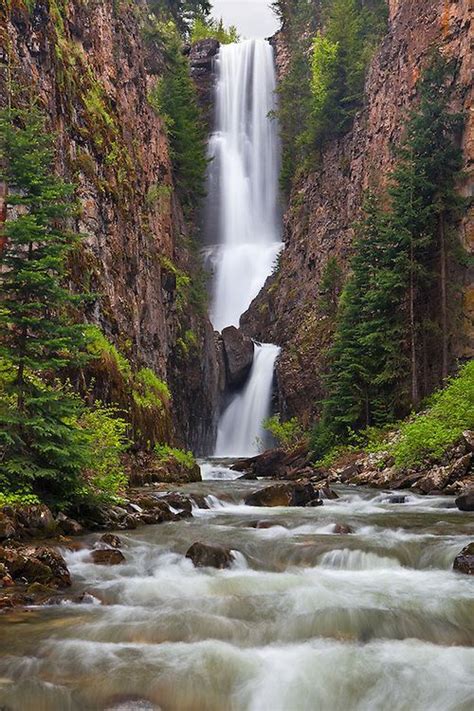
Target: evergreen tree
pixel 174 98
pixel 41 447
pixel 400 258
pixel 425 203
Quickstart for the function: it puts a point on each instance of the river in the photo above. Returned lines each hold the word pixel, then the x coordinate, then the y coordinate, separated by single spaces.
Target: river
pixel 305 619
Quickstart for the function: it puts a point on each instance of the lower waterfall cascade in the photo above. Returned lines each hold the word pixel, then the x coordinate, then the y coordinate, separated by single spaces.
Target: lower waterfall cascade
pixel 243 205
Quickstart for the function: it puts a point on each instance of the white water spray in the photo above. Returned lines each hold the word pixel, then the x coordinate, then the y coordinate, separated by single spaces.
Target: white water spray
pixel 243 218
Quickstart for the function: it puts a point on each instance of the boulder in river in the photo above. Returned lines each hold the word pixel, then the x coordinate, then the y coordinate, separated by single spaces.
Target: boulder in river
pixel 238 355
pixel 107 556
pixel 300 493
pixel 342 528
pixel 204 555
pixel 464 561
pixel 465 502
pixel 111 540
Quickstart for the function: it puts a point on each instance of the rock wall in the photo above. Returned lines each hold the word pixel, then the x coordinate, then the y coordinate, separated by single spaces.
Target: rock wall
pixel 90 68
pixel 324 205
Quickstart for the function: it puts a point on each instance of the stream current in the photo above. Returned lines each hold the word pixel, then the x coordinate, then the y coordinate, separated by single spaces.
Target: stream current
pixel 306 619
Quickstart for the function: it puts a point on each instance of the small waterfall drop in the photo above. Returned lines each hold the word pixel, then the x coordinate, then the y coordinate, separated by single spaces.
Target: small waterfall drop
pixel 243 221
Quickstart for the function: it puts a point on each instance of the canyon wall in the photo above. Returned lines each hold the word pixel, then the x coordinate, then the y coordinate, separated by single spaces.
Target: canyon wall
pixel 89 67
pixel 323 206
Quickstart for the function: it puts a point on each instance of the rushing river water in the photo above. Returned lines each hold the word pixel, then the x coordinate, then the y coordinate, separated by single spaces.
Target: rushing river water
pixel 306 619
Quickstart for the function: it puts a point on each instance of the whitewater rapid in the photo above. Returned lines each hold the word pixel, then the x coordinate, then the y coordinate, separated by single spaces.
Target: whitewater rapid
pixel 306 618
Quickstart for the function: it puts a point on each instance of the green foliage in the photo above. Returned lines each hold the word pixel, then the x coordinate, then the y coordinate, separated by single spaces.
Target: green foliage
pixel 40 446
pixel 183 12
pixel 450 412
pixel 24 499
pixel 100 347
pixel 323 87
pixel 174 98
pixel 385 319
pixel 149 392
pixel 105 475
pixel 166 455
pixel 205 28
pixel 288 434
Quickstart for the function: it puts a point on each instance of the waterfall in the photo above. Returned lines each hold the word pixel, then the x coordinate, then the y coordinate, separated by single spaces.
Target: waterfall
pixel 243 220
pixel 244 178
pixel 240 431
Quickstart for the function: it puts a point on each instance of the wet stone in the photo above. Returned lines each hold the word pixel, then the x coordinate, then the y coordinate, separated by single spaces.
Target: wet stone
pixel 204 555
pixel 107 556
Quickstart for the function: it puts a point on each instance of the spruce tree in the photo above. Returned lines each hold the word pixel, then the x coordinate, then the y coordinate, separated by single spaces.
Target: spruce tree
pixel 41 447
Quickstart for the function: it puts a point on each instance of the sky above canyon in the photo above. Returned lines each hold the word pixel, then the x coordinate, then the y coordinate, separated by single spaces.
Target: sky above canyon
pixel 253 18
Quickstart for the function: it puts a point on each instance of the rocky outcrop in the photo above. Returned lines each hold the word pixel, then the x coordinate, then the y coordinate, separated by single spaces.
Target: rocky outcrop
pixel 90 67
pixel 202 56
pixel 324 205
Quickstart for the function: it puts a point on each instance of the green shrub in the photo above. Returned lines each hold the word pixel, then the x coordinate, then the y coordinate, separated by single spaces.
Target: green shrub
pixel 99 347
pixel 149 392
pixel 106 430
pixel 166 454
pixel 288 434
pixel 450 411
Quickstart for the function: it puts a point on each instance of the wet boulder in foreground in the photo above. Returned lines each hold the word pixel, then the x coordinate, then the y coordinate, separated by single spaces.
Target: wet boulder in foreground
pixel 204 555
pixel 464 561
pixel 465 502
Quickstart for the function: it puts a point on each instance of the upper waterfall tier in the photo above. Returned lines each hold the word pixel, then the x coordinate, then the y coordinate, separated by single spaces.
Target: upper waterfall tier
pixel 243 201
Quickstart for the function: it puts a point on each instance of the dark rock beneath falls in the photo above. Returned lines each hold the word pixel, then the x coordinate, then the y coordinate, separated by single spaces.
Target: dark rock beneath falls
pixel 238 356
pixel 204 555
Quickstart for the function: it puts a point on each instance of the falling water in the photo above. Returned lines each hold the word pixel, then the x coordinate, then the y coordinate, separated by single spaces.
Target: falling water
pixel 243 221
pixel 240 429
pixel 243 182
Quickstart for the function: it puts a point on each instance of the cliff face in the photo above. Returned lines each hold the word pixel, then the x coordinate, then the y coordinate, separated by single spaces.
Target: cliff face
pixel 90 69
pixel 324 205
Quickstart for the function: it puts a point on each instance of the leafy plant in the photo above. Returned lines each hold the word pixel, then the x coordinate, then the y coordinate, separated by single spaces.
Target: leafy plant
pixel 288 433
pixel 167 454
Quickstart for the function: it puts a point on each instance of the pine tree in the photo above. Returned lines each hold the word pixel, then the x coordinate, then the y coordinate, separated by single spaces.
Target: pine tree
pixel 425 203
pixel 41 447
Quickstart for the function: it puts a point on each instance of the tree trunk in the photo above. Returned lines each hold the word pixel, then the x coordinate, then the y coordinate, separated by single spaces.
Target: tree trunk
pixel 444 299
pixel 3 215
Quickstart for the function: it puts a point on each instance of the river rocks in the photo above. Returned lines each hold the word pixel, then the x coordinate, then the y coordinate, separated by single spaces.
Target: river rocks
pixel 35 521
pixel 31 564
pixel 68 526
pixel 275 495
pixel 204 555
pixel 464 561
pixel 278 463
pixel 284 494
pixel 465 502
pixel 107 556
pixel 342 528
pixel 396 500
pixel 111 540
pixel 238 356
pixel 145 468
